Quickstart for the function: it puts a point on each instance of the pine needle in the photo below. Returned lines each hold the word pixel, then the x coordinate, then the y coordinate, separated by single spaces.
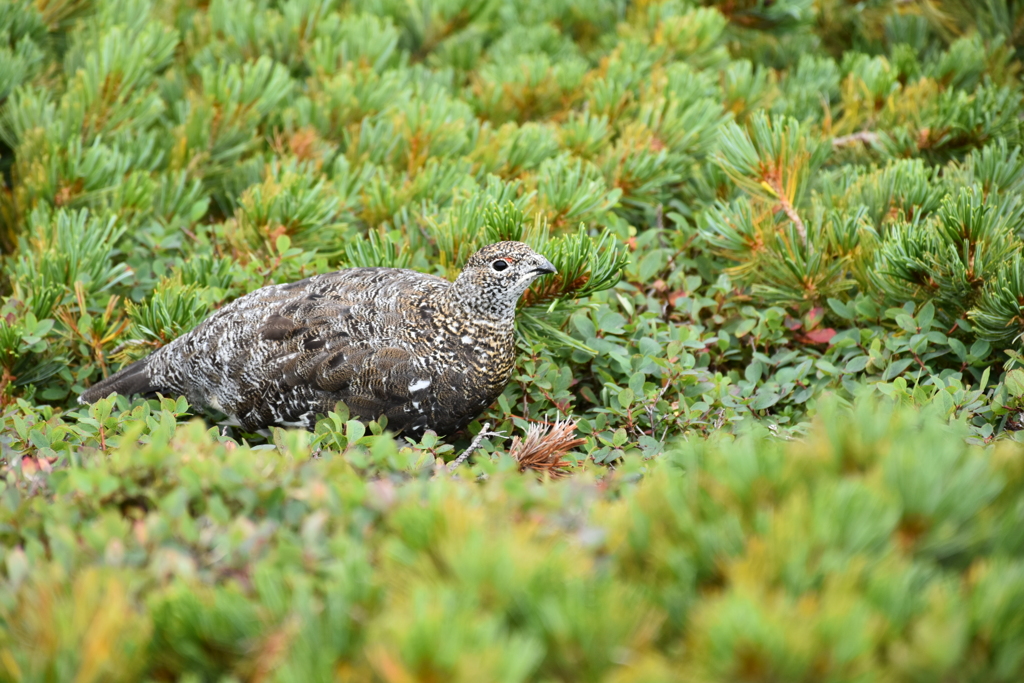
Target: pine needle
pixel 543 448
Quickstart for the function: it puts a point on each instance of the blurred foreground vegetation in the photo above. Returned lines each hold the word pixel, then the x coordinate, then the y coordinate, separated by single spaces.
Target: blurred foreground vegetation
pixel 881 546
pixel 787 320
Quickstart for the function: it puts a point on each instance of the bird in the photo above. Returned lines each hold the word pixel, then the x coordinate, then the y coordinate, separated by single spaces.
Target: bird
pixel 425 352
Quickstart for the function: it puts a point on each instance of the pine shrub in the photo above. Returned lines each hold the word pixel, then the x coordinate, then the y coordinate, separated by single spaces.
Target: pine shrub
pixel 786 325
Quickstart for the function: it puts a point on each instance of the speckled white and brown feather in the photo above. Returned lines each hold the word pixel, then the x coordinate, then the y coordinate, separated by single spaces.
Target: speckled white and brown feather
pixel 425 352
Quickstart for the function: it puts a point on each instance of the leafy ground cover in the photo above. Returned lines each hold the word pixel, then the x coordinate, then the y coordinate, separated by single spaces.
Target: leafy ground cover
pixel 882 546
pixel 787 323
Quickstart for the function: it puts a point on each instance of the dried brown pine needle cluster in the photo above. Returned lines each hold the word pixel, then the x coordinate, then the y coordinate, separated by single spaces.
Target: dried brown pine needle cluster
pixel 544 446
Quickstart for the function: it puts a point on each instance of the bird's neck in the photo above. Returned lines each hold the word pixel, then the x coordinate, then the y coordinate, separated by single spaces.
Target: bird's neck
pixel 474 305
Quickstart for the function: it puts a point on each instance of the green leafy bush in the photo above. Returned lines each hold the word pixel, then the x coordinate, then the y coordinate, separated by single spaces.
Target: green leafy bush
pixel 759 211
pixel 881 544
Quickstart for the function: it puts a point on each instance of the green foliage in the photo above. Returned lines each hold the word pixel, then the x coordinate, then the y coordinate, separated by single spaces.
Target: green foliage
pixel 63 251
pixel 137 547
pixel 752 206
pixel 171 311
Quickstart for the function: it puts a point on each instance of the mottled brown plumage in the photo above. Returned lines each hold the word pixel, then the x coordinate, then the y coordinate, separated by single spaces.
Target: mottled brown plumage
pixel 423 351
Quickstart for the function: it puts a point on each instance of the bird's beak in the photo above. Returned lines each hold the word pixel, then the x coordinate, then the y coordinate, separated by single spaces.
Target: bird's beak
pixel 544 267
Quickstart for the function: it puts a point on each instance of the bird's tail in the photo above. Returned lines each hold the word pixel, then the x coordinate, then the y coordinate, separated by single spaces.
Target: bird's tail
pixel 133 379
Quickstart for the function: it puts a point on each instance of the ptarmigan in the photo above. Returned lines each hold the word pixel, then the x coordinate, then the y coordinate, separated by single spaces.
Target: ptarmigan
pixel 423 351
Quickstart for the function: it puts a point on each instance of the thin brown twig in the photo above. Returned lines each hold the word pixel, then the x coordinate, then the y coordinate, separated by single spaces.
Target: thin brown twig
pixel 474 445
pixel 919 361
pixel 865 136
pixel 788 208
pixel 532 420
pixel 650 407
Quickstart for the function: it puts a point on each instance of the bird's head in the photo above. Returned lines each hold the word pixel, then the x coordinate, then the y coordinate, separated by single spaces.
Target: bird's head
pixel 495 277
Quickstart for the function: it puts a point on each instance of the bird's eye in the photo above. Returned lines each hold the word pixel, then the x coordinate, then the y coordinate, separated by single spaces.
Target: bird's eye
pixel 500 265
